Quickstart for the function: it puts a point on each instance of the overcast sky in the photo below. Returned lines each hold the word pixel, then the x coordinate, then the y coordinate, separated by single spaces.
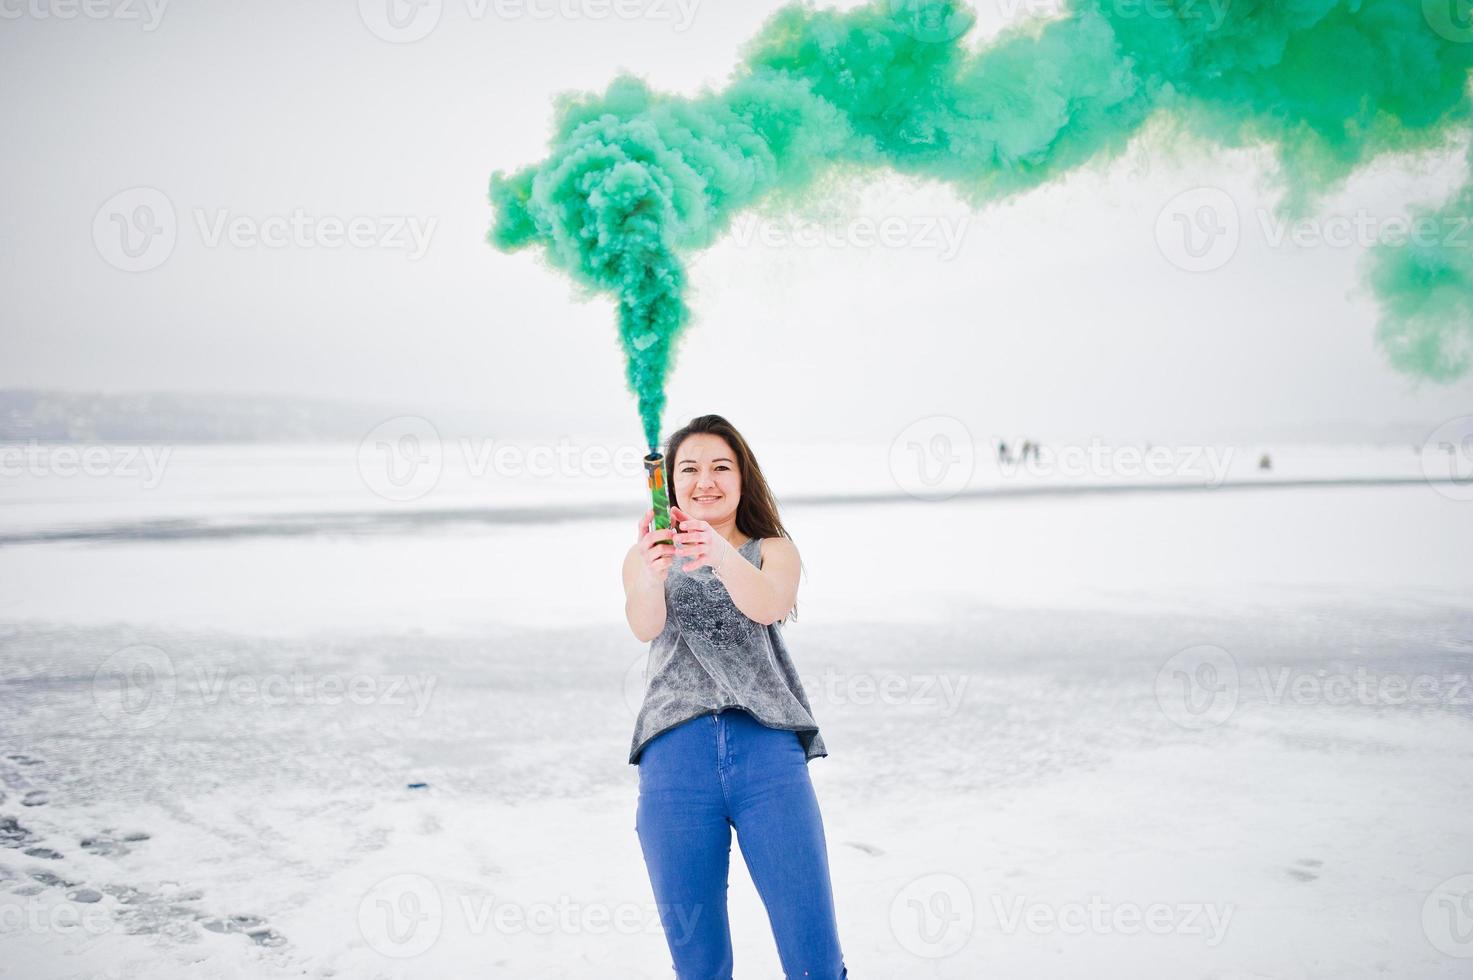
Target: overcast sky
pixel 1067 312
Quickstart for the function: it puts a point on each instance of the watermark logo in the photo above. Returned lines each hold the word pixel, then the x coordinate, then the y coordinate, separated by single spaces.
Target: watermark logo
pixel 938 693
pixel 148 13
pixel 1101 460
pixel 1447 458
pixel 401 458
pixel 1100 917
pixel 1447 917
pixel 307 688
pixel 933 458
pixel 1202 686
pixel 1213 12
pixel 407 21
pixel 1199 230
pixel 410 234
pixel 841 688
pixel 568 458
pixel 135 230
pixel 1361 686
pixel 1198 687
pixel 401 916
pixel 636 683
pixel 33 458
pixel 932 21
pixel 1453 19
pixel 135 688
pixel 1363 229
pixel 566 916
pixel 933 916
pixel 35 914
pixel 941 234
pixel 400 21
pixel 404 915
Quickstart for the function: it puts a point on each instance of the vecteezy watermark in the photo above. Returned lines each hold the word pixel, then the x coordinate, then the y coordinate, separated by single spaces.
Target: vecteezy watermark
pixel 148 13
pixel 1100 917
pixel 1363 229
pixel 1202 686
pixel 541 460
pixel 401 916
pixel 1287 685
pixel 34 914
pixel 1198 687
pixel 941 234
pixel 135 687
pixel 944 692
pixel 636 682
pixel 1199 229
pixel 404 915
pixel 564 916
pixel 137 229
pixel 216 685
pixel 1212 13
pixel 933 458
pixel 933 916
pixel 404 457
pixel 1447 458
pixel 932 21
pixel 1447 917
pixel 407 21
pixel 138 686
pixel 390 232
pixel 401 458
pixel 1100 459
pixel 1453 19
pixel 64 460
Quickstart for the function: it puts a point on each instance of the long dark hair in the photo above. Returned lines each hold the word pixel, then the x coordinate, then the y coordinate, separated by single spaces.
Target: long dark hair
pixel 756 514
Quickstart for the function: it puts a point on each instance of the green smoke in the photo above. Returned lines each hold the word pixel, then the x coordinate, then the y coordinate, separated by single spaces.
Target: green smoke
pixel 636 179
pixel 1425 283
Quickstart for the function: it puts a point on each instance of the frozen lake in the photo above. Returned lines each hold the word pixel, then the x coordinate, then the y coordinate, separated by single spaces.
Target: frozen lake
pixel 260 719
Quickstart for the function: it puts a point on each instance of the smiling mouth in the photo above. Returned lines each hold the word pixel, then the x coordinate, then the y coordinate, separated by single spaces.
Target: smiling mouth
pixel 704 500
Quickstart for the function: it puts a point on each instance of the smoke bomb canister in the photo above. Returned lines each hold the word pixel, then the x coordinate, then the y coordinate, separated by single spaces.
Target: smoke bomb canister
pixel 654 470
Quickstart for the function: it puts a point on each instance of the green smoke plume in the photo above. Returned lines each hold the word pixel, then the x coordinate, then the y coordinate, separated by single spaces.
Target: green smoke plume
pixel 636 179
pixel 1425 285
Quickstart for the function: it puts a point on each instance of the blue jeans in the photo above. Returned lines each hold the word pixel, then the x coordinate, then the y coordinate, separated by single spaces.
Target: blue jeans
pixel 697 781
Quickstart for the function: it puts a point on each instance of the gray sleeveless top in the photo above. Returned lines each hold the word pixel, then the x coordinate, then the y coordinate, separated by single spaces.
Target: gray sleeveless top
pixel 711 655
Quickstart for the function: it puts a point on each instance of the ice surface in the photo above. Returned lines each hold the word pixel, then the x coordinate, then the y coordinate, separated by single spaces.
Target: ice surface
pixel 216 739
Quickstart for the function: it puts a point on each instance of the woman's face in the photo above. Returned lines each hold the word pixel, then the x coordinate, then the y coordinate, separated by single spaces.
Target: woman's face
pixel 707 484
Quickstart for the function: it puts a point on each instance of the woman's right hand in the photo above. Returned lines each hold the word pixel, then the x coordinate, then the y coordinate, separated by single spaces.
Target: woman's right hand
pixel 655 551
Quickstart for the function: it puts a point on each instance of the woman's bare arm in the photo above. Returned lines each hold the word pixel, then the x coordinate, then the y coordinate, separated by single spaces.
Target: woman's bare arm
pixel 644 593
pixel 767 594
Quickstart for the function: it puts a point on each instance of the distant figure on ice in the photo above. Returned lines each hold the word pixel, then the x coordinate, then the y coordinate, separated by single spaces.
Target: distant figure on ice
pixel 1003 456
pixel 1264 463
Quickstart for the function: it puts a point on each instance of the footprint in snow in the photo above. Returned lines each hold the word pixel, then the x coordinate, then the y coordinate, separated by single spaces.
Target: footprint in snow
pixel 1303 869
pixel 869 849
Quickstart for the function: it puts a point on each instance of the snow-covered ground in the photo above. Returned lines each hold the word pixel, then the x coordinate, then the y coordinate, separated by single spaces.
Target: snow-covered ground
pixel 1152 733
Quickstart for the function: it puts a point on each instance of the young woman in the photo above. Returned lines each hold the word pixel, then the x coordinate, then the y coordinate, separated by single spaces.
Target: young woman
pixel 725 732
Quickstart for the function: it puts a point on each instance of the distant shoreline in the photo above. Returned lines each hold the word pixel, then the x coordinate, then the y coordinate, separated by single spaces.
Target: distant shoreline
pixel 400 521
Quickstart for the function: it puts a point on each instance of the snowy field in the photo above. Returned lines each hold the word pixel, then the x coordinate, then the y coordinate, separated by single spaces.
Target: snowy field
pixel 282 713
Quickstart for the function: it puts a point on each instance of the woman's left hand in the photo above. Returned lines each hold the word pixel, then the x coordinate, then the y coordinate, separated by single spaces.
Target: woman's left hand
pixel 697 542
